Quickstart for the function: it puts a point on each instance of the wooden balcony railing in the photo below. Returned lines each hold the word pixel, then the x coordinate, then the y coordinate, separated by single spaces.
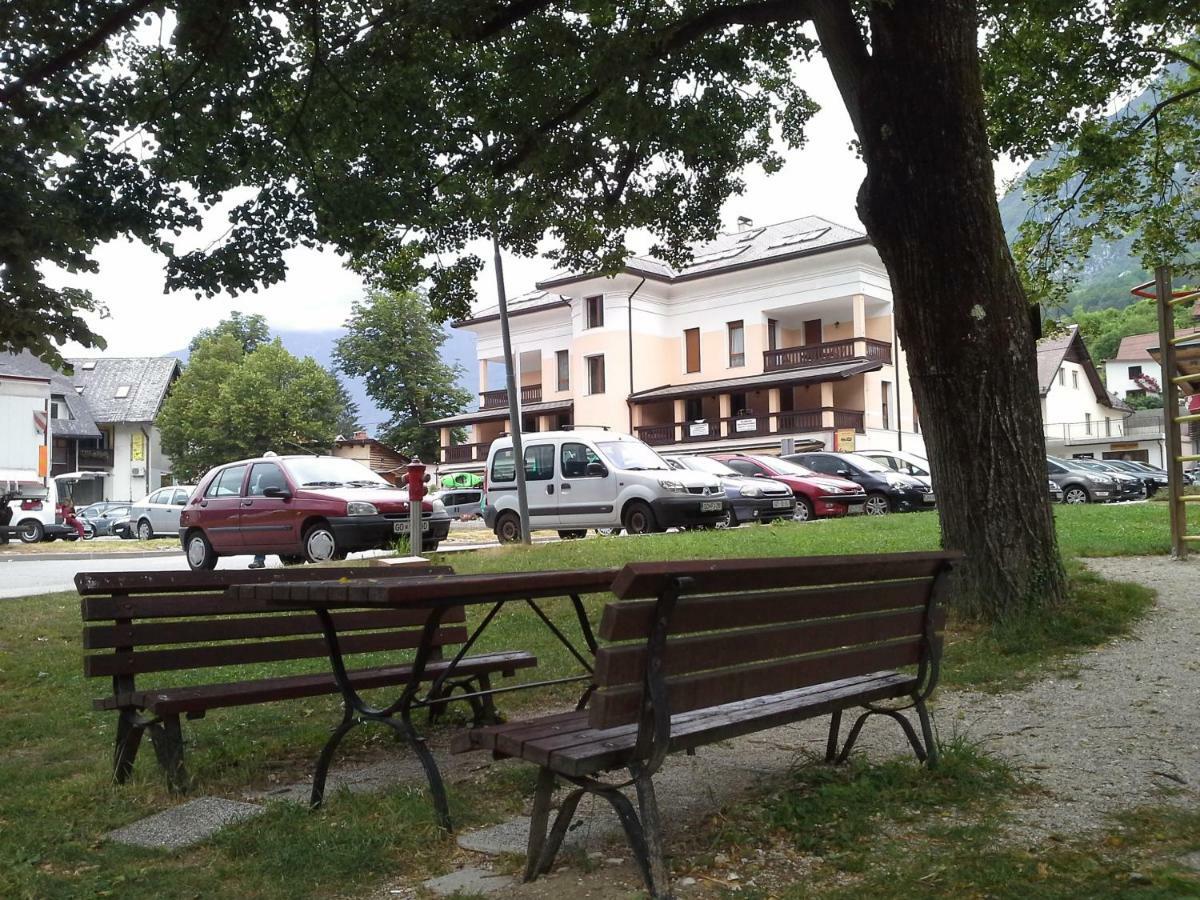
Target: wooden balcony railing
pixel 800 421
pixel 95 457
pixel 530 393
pixel 466 453
pixel 825 353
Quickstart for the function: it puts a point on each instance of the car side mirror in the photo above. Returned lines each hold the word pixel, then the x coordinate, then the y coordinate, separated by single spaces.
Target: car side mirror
pixel 596 470
pixel 277 493
pixel 845 473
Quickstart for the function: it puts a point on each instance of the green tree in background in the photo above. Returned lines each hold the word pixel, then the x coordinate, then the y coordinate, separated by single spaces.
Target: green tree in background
pixel 349 420
pixel 230 404
pixel 250 331
pixel 1103 330
pixel 393 343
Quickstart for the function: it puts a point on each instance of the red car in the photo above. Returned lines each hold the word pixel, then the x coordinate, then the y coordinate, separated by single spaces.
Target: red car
pixel 313 508
pixel 817 496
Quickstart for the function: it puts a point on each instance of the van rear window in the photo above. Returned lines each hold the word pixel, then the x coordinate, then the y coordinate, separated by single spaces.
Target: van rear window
pixel 539 464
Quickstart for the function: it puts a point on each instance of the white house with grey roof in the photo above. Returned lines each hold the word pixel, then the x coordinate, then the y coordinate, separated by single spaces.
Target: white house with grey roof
pixel 124 397
pixel 769 333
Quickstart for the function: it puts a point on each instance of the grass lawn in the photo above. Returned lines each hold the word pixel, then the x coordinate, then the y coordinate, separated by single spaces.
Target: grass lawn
pixel 57 802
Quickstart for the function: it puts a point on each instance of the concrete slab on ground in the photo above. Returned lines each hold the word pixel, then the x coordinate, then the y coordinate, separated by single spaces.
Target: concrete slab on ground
pixel 470 881
pixel 186 824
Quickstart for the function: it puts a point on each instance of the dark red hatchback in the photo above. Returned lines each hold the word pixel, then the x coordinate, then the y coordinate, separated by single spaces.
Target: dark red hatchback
pixel 302 508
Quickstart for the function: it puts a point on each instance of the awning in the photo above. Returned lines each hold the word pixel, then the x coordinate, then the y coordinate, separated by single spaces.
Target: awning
pixel 491 415
pixel 812 375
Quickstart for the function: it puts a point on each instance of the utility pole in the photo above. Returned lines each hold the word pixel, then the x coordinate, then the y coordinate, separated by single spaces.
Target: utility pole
pixel 514 405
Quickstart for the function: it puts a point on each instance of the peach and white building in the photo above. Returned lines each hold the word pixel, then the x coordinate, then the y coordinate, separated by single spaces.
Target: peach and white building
pixel 770 333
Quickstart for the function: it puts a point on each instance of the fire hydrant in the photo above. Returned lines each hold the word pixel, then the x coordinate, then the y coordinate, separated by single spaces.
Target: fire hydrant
pixel 416 492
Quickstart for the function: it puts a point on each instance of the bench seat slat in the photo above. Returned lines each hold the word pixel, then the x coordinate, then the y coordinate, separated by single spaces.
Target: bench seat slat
pixel 627 664
pixel 170 606
pixel 574 748
pixel 631 619
pixel 621 705
pixel 137 662
pixel 146 634
pixel 198 698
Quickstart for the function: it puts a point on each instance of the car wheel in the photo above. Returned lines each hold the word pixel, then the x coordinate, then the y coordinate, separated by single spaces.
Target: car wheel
pixel 1076 494
pixel 730 519
pixel 31 531
pixel 200 555
pixel 573 534
pixel 508 528
pixel 639 518
pixel 804 510
pixel 877 505
pixel 291 560
pixel 608 532
pixel 144 531
pixel 320 545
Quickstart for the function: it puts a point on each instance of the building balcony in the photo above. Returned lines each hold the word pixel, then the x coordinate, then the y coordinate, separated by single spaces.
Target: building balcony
pixel 530 393
pixel 95 458
pixel 801 421
pixel 827 352
pixel 455 454
pixel 1132 428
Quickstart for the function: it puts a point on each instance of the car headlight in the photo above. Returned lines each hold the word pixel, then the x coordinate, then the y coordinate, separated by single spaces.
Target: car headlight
pixel 361 508
pixel 675 487
pixel 752 490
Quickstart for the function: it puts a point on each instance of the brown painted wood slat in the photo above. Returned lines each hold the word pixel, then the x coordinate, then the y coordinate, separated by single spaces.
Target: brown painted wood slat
pixel 648 579
pixel 123 663
pixel 201 630
pixel 436 592
pixel 168 701
pixel 106 609
pixel 627 664
pixel 629 619
pixel 88 583
pixel 620 705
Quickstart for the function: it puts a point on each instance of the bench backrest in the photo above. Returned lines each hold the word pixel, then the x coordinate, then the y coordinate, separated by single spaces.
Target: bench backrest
pixel 143 622
pixel 732 630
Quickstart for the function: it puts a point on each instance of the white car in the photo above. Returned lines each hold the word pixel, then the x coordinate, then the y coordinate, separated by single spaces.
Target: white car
pixel 580 478
pixel 157 514
pixel 902 461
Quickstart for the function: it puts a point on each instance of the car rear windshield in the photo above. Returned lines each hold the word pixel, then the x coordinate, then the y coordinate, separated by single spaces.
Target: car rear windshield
pixel 864 462
pixel 330 471
pixel 785 466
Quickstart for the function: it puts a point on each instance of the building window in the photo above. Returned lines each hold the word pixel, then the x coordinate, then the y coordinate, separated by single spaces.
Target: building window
pixel 1062 377
pixel 564 370
pixel 1075 379
pixel 887 417
pixel 693 409
pixel 691 343
pixel 772 334
pixel 737 344
pixel 595 370
pixel 1135 372
pixel 595 311
pixel 1087 423
pixel 737 404
pixel 122 392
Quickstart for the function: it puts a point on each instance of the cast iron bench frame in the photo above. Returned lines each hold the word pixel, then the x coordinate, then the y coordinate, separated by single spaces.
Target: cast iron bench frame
pixel 127 612
pixel 788 639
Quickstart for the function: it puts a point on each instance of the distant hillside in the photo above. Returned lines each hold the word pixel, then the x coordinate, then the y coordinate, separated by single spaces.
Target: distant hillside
pixel 459 348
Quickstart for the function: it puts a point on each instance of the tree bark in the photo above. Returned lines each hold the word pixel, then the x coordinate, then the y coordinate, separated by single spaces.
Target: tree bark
pixel 929 206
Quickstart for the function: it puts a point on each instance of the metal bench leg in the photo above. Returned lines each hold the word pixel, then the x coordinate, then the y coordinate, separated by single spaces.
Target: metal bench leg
pixel 130 726
pixel 538 821
pixel 652 833
pixel 636 836
pixel 562 822
pixel 931 749
pixel 433 775
pixel 167 738
pixel 835 731
pixel 487 714
pixel 321 772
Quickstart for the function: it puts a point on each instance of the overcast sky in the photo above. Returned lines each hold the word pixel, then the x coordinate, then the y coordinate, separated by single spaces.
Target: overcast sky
pixel 821 179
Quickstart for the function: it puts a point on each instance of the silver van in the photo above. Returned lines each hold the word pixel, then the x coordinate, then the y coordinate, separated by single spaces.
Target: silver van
pixel 583 478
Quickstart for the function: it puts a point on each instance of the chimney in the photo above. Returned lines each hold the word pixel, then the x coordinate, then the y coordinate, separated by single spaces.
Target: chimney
pixel 744 223
pixel 361 436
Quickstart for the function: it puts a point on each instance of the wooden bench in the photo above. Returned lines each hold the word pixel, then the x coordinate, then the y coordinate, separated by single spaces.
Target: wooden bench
pixel 704 651
pixel 139 623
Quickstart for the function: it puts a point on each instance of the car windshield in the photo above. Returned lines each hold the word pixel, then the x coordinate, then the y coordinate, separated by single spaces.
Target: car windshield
pixel 631 455
pixel 864 462
pixel 712 466
pixel 785 466
pixel 330 471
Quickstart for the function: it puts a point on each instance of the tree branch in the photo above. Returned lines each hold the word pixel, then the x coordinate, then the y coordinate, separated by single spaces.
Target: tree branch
pixel 843 45
pixel 110 25
pixel 1163 104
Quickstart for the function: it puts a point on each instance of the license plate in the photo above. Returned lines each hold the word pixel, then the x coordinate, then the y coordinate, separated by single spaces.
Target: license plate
pixel 710 506
pixel 402 526
pixel 928 498
pixel 781 504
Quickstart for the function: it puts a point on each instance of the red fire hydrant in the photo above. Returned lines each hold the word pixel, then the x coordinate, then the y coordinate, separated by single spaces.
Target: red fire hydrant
pixel 416 492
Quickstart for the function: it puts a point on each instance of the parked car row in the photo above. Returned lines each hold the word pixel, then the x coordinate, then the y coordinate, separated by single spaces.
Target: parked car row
pixel 1104 481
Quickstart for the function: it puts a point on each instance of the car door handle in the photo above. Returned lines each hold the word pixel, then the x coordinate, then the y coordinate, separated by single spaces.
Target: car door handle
pixel 549 489
pixel 246 503
pixel 564 487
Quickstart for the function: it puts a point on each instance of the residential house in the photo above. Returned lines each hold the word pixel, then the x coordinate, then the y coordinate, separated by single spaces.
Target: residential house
pixel 1134 361
pixel 123 397
pixel 768 334
pixel 1081 418
pixel 25 436
pixel 375 455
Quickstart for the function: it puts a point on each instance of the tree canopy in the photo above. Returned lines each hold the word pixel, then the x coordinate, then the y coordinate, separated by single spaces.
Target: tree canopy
pixel 231 404
pixel 393 343
pixel 1102 330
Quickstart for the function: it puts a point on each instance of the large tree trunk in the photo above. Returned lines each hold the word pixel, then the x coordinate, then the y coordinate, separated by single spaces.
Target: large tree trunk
pixel 929 205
